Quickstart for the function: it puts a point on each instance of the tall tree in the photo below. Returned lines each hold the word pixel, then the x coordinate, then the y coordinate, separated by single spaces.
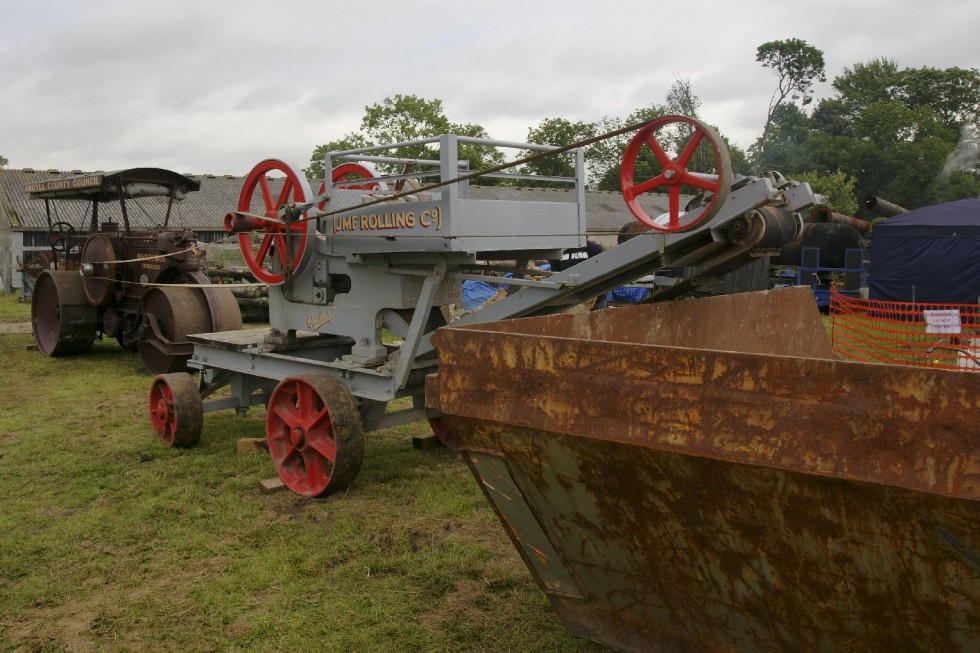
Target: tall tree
pixel 904 134
pixel 405 118
pixel 559 132
pixel 797 65
pixel 3 161
pixel 351 141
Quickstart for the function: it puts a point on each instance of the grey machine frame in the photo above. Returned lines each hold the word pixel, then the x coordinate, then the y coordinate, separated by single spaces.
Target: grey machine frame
pixel 391 266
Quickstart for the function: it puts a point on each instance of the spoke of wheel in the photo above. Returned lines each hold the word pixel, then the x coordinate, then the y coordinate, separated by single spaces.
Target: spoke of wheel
pixel 304 403
pixel 700 182
pixel 325 446
pixel 287 413
pixel 650 184
pixel 675 205
pixel 315 469
pixel 690 148
pixel 286 455
pixel 263 249
pixel 321 422
pixel 287 188
pixel 281 249
pixel 266 193
pixel 658 151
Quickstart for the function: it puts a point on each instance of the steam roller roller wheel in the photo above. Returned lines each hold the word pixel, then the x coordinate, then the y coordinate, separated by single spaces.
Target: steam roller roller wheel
pixel 229 317
pixel 315 434
pixel 62 319
pixel 170 314
pixel 176 410
pixel 703 165
pixel 268 258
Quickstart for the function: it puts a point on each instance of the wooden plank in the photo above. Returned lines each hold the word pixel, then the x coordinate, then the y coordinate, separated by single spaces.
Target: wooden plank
pixel 271 485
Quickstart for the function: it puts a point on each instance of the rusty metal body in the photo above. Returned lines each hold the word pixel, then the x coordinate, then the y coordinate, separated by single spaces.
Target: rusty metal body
pixel 881 206
pixel 822 214
pixel 705 475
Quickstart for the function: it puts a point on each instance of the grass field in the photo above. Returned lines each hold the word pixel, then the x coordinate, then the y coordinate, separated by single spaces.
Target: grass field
pixel 110 542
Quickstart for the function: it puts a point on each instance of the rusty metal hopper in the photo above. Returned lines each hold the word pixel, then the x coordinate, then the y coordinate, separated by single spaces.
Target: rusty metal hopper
pixel 706 475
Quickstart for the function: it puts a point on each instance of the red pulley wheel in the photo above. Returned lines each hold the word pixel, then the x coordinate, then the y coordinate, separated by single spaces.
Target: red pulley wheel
pixel 685 174
pixel 257 197
pixel 315 435
pixel 352 172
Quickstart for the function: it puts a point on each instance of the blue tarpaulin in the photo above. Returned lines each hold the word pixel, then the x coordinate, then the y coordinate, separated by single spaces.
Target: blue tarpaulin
pixel 931 254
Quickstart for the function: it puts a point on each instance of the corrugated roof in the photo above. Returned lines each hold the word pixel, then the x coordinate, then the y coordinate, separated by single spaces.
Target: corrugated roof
pixel 205 209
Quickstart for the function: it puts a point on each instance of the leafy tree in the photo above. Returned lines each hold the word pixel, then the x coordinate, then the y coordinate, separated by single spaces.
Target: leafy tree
pixel 351 141
pixel 904 134
pixel 405 118
pixel 837 187
pixel 3 161
pixel 797 64
pixel 559 132
pixel 786 143
pixel 606 156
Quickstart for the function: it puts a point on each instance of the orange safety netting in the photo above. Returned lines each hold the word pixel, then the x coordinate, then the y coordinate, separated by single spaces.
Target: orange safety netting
pixel 944 336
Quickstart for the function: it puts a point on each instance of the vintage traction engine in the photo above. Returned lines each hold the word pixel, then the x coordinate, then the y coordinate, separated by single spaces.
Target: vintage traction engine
pixel 114 281
pixel 368 256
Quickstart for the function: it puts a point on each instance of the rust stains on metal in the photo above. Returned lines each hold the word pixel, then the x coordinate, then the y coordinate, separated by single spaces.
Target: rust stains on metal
pixel 719 497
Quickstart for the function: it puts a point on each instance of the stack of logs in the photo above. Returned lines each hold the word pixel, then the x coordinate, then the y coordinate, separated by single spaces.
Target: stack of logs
pixel 252 300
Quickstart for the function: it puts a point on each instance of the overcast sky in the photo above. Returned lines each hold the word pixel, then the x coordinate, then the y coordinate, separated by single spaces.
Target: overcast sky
pixel 215 86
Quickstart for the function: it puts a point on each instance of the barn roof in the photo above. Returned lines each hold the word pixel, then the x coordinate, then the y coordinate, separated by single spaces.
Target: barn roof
pixel 204 210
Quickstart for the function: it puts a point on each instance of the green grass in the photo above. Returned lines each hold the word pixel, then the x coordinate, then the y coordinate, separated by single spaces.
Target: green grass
pixel 111 542
pixel 14 310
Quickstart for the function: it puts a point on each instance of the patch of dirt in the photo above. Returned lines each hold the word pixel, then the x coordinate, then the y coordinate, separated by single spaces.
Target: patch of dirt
pixel 15 327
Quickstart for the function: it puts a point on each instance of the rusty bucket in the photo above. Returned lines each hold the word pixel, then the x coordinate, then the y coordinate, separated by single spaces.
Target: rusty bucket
pixel 706 475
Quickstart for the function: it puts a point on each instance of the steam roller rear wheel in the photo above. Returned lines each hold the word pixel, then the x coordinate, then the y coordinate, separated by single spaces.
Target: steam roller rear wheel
pixel 176 410
pixel 170 314
pixel 315 435
pixel 61 317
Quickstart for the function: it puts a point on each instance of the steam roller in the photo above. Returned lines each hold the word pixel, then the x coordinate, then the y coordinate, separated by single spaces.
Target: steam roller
pixel 689 475
pixel 112 281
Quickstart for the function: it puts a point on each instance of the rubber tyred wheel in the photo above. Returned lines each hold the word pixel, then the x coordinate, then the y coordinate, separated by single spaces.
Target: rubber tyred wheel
pixel 315 435
pixel 676 175
pixel 257 197
pixel 176 410
pixel 352 172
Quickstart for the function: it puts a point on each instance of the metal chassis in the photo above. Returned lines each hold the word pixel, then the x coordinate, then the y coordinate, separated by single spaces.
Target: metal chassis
pixel 736 234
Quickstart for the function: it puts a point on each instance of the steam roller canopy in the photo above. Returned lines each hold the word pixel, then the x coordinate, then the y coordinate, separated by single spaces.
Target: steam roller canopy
pixel 62 319
pixel 171 315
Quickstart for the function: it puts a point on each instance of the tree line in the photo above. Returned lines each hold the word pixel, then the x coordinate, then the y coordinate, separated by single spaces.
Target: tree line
pixel 909 135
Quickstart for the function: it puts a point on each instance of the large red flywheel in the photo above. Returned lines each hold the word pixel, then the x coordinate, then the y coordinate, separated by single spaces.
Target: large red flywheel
pixel 279 250
pixel 703 165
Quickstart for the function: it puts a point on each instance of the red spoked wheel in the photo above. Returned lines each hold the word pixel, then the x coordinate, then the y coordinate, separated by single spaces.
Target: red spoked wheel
pixel 710 171
pixel 176 410
pixel 352 172
pixel 315 435
pixel 270 261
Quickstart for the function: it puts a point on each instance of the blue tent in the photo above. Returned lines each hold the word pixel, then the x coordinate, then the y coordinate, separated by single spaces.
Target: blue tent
pixel 931 254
